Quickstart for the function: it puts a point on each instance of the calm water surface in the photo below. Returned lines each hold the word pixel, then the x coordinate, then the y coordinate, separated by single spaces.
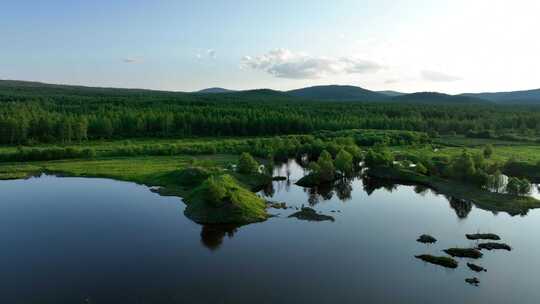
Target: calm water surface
pixel 76 240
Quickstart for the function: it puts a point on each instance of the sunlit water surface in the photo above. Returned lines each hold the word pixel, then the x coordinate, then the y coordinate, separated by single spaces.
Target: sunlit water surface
pixel 78 240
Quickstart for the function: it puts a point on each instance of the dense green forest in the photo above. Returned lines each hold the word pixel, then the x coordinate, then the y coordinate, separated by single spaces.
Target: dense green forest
pixel 36 113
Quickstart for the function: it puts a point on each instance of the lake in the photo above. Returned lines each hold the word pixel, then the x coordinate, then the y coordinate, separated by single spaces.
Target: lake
pixel 86 240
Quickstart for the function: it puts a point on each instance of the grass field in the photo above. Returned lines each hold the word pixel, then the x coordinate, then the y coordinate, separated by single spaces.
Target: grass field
pixel 149 170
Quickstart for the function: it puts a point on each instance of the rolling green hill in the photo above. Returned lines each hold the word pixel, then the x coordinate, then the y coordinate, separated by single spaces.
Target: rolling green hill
pixel 515 97
pixel 337 93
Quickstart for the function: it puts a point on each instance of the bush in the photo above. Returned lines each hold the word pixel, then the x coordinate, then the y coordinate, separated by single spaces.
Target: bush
pixel 344 162
pixel 488 151
pixel 421 169
pixel 247 164
pixel 380 157
pixel 518 186
pixel 327 171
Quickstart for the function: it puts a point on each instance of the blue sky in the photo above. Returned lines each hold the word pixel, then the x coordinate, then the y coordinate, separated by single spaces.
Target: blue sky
pixel 448 46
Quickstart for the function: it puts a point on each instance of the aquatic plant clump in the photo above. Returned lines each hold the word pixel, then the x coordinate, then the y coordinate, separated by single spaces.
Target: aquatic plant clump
pixel 426 239
pixel 483 236
pixel 438 260
pixel 473 281
pixel 476 268
pixel 494 246
pixel 464 253
pixel 309 214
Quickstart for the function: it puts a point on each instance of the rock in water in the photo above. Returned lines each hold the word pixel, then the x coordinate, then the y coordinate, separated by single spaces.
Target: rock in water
pixel 473 281
pixel 426 239
pixel 475 267
pixel 483 236
pixel 464 253
pixel 441 261
pixel 277 205
pixel 308 214
pixel 491 246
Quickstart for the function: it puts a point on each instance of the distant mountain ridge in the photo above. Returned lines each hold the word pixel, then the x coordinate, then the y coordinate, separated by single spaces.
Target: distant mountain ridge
pixel 514 97
pixel 215 90
pixel 435 97
pixel 329 93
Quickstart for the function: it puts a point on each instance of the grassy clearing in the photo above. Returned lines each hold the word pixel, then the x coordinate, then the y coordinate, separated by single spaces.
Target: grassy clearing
pixel 525 153
pixel 149 170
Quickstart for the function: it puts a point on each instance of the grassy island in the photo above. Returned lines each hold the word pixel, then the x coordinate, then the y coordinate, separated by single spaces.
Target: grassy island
pixel 223 200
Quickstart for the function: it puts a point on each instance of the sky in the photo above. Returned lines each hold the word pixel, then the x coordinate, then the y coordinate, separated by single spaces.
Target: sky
pixel 447 46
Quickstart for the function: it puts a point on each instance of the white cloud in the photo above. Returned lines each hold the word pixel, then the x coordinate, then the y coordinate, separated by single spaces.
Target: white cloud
pixel 284 63
pixel 211 53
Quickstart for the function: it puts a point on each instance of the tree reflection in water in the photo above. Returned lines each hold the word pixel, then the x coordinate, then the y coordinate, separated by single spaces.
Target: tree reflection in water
pixel 371 184
pixel 461 207
pixel 212 235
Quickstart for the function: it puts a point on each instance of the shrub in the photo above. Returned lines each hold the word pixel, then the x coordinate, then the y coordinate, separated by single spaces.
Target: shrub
pixel 518 186
pixel 344 162
pixel 421 169
pixel 247 164
pixel 488 151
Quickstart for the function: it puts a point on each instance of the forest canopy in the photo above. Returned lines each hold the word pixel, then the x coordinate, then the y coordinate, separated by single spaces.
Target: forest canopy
pixel 63 114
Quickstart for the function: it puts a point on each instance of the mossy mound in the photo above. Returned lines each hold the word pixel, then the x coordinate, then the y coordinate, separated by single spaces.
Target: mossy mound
pixel 441 261
pixel 476 268
pixel 232 204
pixel 494 246
pixel 426 239
pixel 309 180
pixel 254 181
pixel 309 214
pixel 483 236
pixel 464 253
pixel 192 176
pixel 473 281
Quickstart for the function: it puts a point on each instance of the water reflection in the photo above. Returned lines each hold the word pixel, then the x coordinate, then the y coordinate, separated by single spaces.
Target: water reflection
pixel 144 248
pixel 344 188
pixel 212 235
pixel 370 184
pixel 461 207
